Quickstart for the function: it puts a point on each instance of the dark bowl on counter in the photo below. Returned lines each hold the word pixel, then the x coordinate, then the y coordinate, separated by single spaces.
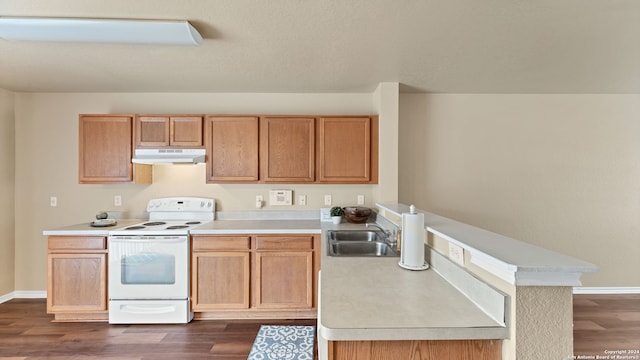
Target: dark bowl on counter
pixel 356 214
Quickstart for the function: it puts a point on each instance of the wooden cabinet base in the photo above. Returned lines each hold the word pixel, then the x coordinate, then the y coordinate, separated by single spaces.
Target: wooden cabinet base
pixel 80 317
pixel 416 350
pixel 254 314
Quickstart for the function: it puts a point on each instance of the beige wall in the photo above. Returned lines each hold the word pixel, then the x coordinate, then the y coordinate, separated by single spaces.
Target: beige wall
pixel 557 171
pixel 47 162
pixel 7 187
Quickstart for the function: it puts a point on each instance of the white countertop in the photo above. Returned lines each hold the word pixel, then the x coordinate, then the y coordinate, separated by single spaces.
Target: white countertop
pixel 514 261
pixel 85 229
pixel 293 226
pixel 375 299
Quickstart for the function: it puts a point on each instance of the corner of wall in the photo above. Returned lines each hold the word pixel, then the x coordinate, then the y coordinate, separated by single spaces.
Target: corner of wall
pixel 7 191
pixel 386 101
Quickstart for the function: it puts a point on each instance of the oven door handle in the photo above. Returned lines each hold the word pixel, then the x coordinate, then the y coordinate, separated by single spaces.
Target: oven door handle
pixel 148 309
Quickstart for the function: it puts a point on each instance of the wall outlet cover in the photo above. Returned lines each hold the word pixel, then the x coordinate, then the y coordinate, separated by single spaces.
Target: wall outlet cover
pixel 325 214
pixel 456 253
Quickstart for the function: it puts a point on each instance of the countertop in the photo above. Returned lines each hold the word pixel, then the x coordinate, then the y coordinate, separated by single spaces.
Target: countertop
pixel 293 226
pixel 85 229
pixel 375 299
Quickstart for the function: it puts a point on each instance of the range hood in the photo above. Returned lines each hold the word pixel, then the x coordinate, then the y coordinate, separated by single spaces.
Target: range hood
pixel 168 156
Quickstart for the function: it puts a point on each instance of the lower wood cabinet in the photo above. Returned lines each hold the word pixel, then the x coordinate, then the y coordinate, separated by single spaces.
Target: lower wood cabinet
pixel 416 349
pixel 220 273
pixel 255 276
pixel 77 278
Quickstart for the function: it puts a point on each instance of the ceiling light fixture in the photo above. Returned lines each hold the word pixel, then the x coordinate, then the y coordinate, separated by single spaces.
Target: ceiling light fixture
pixel 161 32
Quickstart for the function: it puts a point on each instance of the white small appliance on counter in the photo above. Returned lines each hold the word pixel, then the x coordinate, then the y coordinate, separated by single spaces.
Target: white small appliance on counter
pixel 148 272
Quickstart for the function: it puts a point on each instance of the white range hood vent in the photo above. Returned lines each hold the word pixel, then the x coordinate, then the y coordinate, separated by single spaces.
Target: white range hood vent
pixel 169 156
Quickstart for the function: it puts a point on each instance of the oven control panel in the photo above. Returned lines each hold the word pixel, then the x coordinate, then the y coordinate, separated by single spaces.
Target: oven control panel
pixel 182 204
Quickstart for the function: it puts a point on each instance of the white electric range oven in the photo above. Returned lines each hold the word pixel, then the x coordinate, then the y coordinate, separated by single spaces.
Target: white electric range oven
pixel 148 272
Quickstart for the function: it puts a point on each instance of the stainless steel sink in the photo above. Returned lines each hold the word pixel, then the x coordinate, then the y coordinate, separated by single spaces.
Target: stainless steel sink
pixel 355 235
pixel 359 243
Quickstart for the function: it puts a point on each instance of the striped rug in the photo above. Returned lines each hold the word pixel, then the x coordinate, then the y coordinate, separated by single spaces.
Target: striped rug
pixel 278 342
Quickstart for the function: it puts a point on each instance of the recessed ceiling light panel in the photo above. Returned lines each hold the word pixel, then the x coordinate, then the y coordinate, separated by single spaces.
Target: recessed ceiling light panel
pixel 161 32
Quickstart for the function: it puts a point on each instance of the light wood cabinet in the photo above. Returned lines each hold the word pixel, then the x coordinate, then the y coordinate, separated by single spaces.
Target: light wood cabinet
pixel 232 148
pixel 220 273
pixel 255 276
pixel 154 131
pixel 287 149
pixel 106 149
pixel 348 149
pixel 77 278
pixel 284 272
pixel 416 349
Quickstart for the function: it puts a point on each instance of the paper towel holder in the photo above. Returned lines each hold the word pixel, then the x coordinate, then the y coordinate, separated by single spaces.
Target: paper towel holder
pixel 406 264
pixel 424 266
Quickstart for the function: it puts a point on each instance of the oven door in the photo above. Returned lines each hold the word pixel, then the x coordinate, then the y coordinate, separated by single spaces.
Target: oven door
pixel 148 267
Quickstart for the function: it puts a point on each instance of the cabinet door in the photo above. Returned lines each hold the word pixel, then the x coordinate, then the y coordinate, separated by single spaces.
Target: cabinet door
pixel 232 148
pixel 283 280
pixel 105 149
pixel 345 150
pixel 287 149
pixel 152 131
pixel 185 131
pixel 220 280
pixel 76 283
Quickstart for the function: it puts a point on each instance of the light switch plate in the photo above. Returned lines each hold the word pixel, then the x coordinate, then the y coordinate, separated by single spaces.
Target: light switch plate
pixel 280 197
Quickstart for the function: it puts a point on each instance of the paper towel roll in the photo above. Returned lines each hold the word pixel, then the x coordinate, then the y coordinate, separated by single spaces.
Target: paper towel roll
pixel 412 252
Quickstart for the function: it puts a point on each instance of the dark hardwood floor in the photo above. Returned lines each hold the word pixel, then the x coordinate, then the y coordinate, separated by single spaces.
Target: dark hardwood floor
pixel 26 332
pixel 606 323
pixel 601 323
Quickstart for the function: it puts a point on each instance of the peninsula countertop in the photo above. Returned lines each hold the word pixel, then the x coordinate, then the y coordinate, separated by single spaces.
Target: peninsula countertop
pixel 375 299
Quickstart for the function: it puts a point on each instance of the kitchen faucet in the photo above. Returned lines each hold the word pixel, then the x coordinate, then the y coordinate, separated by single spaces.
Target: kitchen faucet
pixel 387 233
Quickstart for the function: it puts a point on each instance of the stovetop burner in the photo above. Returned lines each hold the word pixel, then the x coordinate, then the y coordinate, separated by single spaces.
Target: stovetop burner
pixel 176 227
pixel 193 223
pixel 154 223
pixel 136 227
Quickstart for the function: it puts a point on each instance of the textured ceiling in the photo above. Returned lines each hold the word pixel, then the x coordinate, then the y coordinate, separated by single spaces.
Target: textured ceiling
pixel 450 46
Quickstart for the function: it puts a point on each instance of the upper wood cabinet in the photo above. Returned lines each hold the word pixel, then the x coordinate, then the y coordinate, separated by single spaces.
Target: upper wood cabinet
pixel 347 150
pixel 105 151
pixel 287 149
pixel 232 148
pixel 168 131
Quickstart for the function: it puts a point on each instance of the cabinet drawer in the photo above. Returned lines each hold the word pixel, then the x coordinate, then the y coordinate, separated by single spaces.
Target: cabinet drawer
pixel 57 243
pixel 284 242
pixel 204 243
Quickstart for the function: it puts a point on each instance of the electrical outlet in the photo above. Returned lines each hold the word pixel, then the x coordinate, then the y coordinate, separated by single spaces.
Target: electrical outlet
pixel 327 200
pixel 302 200
pixel 117 200
pixel 53 201
pixel 259 201
pixel 360 200
pixel 456 253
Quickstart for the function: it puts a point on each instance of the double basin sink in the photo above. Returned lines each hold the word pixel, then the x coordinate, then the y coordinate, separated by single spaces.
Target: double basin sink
pixel 359 243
